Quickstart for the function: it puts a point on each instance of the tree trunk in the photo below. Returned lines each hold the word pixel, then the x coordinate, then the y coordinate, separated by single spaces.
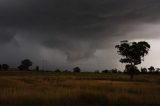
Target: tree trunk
pixel 132 76
pixel 132 71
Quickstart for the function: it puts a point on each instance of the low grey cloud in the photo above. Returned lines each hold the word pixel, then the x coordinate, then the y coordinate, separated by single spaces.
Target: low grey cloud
pixel 6 36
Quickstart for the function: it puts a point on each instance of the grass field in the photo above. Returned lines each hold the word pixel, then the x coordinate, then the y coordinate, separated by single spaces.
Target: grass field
pixel 78 89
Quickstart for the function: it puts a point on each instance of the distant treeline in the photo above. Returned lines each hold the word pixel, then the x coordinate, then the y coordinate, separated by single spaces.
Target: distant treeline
pixel 150 70
pixel 27 63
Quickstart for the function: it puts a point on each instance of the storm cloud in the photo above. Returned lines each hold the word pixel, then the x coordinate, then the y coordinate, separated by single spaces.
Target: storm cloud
pixel 76 28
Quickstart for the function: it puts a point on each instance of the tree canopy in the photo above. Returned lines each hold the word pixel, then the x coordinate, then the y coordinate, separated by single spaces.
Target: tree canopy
pixel 25 64
pixel 132 53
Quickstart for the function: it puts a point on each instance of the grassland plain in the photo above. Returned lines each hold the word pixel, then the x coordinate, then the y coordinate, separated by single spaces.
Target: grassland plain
pixel 78 89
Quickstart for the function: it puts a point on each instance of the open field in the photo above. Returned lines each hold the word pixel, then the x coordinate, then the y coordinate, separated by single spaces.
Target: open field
pixel 78 89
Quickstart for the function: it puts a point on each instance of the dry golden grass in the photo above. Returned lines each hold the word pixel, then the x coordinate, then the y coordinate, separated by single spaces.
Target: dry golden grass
pixel 78 89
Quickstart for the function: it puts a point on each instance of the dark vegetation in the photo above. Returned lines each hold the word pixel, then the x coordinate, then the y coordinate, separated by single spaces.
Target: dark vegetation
pixel 150 70
pixel 25 64
pixel 132 54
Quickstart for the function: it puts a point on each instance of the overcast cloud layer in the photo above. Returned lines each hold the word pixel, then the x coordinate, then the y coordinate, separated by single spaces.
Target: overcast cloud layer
pixel 67 33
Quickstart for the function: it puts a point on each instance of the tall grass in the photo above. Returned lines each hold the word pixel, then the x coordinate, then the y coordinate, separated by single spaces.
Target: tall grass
pixel 80 89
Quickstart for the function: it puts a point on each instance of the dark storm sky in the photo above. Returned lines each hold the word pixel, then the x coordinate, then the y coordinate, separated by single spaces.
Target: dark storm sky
pixel 68 33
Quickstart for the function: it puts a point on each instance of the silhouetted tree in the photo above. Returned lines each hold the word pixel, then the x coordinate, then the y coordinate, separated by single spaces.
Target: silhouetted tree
pixel 21 67
pixel 105 71
pixel 76 69
pixel 0 67
pixel 157 70
pixel 114 71
pixel 25 64
pixel 37 68
pixel 131 69
pixel 133 53
pixel 151 69
pixel 144 70
pixel 5 67
pixel 66 71
pixel 57 70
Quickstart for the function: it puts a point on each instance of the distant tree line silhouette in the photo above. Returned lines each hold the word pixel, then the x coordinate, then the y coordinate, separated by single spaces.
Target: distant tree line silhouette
pixel 27 63
pixel 4 67
pixel 24 66
pixel 150 70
